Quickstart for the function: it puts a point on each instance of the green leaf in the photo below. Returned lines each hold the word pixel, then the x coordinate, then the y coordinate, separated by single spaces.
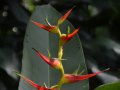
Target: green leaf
pixel 110 86
pixel 36 69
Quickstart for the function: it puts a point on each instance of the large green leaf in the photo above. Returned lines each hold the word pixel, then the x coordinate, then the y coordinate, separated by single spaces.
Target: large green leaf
pixel 110 86
pixel 34 67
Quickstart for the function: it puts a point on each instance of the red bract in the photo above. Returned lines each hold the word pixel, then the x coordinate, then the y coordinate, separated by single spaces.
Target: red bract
pixel 65 38
pixel 70 78
pixel 52 29
pixel 52 62
pixel 33 83
pixel 63 18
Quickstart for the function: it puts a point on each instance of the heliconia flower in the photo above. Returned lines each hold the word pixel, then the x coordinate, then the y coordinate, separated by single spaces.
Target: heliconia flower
pixel 63 18
pixel 71 78
pixel 38 87
pixel 65 38
pixel 52 29
pixel 52 62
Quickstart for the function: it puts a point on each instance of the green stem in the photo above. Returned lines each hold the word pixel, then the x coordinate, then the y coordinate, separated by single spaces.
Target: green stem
pixel 59 33
pixel 60 83
pixel 62 69
pixel 60 52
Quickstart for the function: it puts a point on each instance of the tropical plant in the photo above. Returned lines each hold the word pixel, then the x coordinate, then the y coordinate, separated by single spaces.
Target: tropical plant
pixel 57 63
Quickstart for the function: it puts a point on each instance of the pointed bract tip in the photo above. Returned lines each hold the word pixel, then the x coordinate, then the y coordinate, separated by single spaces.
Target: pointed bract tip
pixel 73 7
pixel 28 80
pixel 73 33
pixel 34 22
pixel 63 18
pixel 35 50
pixel 77 28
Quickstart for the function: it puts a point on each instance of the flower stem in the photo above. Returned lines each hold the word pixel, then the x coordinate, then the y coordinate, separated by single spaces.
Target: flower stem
pixel 60 54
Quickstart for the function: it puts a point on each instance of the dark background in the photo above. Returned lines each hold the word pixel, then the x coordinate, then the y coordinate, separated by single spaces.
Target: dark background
pixel 99 22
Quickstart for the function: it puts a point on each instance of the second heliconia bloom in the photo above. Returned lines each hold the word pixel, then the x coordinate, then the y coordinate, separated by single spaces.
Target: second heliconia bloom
pixel 52 62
